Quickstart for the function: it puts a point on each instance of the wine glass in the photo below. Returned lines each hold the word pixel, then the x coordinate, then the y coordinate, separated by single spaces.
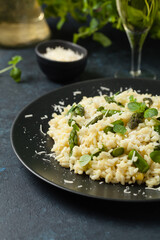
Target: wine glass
pixel 137 17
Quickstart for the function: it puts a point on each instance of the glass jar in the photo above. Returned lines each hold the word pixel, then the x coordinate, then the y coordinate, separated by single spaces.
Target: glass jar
pixel 22 23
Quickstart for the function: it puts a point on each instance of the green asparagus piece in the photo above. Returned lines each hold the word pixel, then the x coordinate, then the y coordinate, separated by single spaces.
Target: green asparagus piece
pixel 74 124
pixel 73 139
pixel 148 100
pixel 155 156
pixel 135 119
pixel 117 151
pixel 79 110
pixel 141 163
pixel 112 100
pixel 96 154
pixel 94 120
pixel 157 128
pixel 76 110
pixel 108 129
pixel 108 113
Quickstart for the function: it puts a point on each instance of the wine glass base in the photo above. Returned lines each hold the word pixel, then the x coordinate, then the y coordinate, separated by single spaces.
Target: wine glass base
pixel 145 74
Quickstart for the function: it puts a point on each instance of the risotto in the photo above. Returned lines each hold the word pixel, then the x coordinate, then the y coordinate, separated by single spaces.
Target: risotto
pixel 115 138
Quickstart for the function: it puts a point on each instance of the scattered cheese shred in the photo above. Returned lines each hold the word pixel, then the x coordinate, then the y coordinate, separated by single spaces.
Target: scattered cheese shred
pixel 28 116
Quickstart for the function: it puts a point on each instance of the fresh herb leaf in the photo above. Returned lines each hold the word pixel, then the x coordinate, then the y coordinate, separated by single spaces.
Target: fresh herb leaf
pixel 118 128
pixel 120 122
pixel 15 72
pixel 132 99
pixel 84 160
pixel 101 38
pixel 60 23
pixel 136 107
pixel 151 112
pixel 15 60
pixel 104 11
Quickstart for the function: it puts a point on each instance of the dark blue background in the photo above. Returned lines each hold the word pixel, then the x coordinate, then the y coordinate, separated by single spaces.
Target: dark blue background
pixel 32 209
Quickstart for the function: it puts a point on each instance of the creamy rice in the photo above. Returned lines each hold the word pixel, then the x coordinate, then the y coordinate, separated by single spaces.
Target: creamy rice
pixel 118 169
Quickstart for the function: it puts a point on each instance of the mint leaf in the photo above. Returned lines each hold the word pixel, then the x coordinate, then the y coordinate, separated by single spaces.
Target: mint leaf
pixel 118 128
pixel 120 122
pixel 84 160
pixel 136 107
pixel 133 106
pixel 132 99
pixel 151 112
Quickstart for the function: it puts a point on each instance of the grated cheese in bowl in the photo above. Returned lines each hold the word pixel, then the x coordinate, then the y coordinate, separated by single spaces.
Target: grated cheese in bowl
pixel 62 55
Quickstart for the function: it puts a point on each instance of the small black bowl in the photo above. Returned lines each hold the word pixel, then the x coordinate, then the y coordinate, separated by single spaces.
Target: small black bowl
pixel 61 71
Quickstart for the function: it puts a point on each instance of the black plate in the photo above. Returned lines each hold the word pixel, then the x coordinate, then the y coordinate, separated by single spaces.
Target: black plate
pixel 28 140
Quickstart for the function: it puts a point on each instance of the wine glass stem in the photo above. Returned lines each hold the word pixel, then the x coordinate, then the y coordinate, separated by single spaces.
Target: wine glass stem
pixel 136 40
pixel 135 61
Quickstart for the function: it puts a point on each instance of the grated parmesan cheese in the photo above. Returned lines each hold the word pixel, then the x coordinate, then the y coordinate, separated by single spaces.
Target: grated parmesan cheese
pixel 41 130
pixel 58 108
pixel 67 181
pixel 62 55
pixel 28 116
pixel 76 92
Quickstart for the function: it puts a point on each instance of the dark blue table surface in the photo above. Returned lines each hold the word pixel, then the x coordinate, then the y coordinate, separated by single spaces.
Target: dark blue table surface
pixel 34 210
